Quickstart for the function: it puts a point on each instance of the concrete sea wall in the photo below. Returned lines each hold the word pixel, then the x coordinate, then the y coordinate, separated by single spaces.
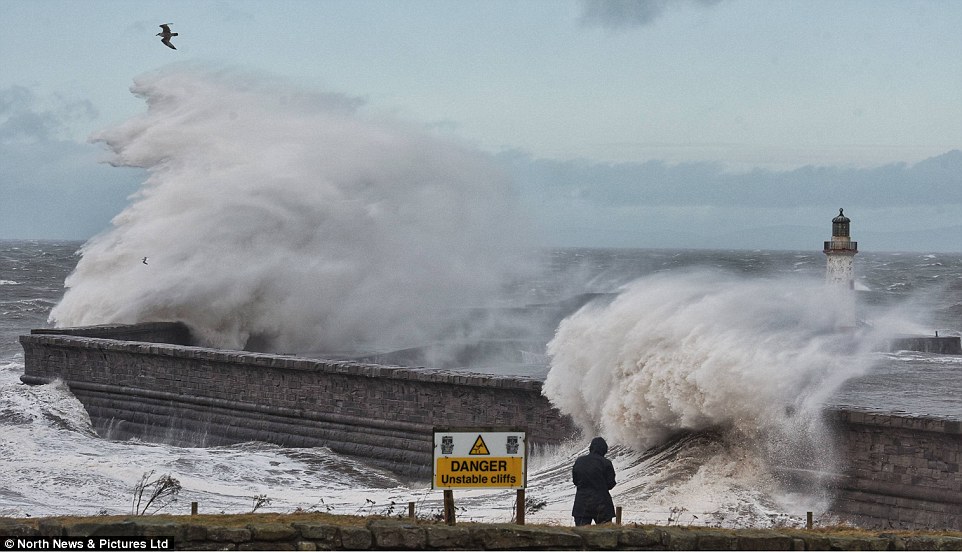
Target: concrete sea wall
pixel 951 345
pixel 206 397
pixel 900 472
pixel 173 333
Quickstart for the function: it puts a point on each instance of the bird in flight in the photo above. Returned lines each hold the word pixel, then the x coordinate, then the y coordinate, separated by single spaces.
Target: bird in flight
pixel 165 35
pixel 145 260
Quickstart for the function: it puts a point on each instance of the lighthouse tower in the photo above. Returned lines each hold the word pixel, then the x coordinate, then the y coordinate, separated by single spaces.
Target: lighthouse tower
pixel 840 271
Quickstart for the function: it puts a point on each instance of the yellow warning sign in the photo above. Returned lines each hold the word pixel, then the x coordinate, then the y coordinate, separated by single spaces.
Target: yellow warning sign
pixel 479 458
pixel 506 472
pixel 479 447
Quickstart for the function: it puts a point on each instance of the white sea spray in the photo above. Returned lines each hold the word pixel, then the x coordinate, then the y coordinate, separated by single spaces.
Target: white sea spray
pixel 750 361
pixel 287 220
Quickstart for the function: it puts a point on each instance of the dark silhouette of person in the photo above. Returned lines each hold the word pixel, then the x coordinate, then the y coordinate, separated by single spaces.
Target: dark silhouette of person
pixel 594 476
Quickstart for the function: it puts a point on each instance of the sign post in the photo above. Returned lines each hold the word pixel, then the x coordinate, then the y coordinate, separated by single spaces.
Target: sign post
pixel 478 458
pixel 449 507
pixel 519 507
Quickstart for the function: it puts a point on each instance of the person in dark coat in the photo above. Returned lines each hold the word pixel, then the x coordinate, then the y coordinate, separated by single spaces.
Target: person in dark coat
pixel 594 476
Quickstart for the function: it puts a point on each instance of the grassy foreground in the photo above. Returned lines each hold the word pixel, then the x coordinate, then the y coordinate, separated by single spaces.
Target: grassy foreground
pixel 243 520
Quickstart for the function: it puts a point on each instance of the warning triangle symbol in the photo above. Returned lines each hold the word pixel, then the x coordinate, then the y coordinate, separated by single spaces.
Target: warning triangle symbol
pixel 479 447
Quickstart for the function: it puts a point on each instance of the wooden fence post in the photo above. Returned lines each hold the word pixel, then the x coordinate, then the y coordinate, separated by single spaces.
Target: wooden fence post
pixel 411 510
pixel 193 508
pixel 618 515
pixel 449 507
pixel 808 520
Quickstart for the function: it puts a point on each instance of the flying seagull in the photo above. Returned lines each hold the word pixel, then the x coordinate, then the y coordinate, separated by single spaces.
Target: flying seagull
pixel 145 260
pixel 165 35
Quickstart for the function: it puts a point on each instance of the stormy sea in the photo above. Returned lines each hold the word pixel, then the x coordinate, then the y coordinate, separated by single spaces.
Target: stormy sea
pixel 685 339
pixel 277 219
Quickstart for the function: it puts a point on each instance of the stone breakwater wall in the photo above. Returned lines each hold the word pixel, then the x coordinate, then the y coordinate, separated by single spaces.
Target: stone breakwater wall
pixel 939 345
pixel 898 472
pixel 206 397
pixel 901 472
pixel 173 333
pixel 391 534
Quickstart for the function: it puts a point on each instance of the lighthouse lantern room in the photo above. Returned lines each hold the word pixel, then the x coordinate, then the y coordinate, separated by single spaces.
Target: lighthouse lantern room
pixel 840 271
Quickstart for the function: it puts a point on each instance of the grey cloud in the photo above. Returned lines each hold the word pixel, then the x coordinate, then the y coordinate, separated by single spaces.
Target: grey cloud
pixel 625 14
pixel 19 121
pixel 23 120
pixel 14 98
pixel 700 205
pixel 27 127
pixel 934 181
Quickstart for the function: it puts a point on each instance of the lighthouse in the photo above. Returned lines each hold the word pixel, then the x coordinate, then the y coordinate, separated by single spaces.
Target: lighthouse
pixel 840 270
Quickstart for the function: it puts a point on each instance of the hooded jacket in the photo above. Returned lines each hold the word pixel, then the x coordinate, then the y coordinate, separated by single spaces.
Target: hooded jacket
pixel 594 476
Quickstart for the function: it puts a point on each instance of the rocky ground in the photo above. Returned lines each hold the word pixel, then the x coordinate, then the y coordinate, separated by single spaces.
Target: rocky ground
pixel 318 531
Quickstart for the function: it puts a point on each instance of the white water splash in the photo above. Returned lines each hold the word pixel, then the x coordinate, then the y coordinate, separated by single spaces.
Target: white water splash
pixel 697 351
pixel 751 360
pixel 287 220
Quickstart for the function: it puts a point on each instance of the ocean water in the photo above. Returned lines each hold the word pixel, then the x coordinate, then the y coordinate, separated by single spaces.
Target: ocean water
pixel 704 369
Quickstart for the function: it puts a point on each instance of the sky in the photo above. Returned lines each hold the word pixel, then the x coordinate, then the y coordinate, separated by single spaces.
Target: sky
pixel 684 124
